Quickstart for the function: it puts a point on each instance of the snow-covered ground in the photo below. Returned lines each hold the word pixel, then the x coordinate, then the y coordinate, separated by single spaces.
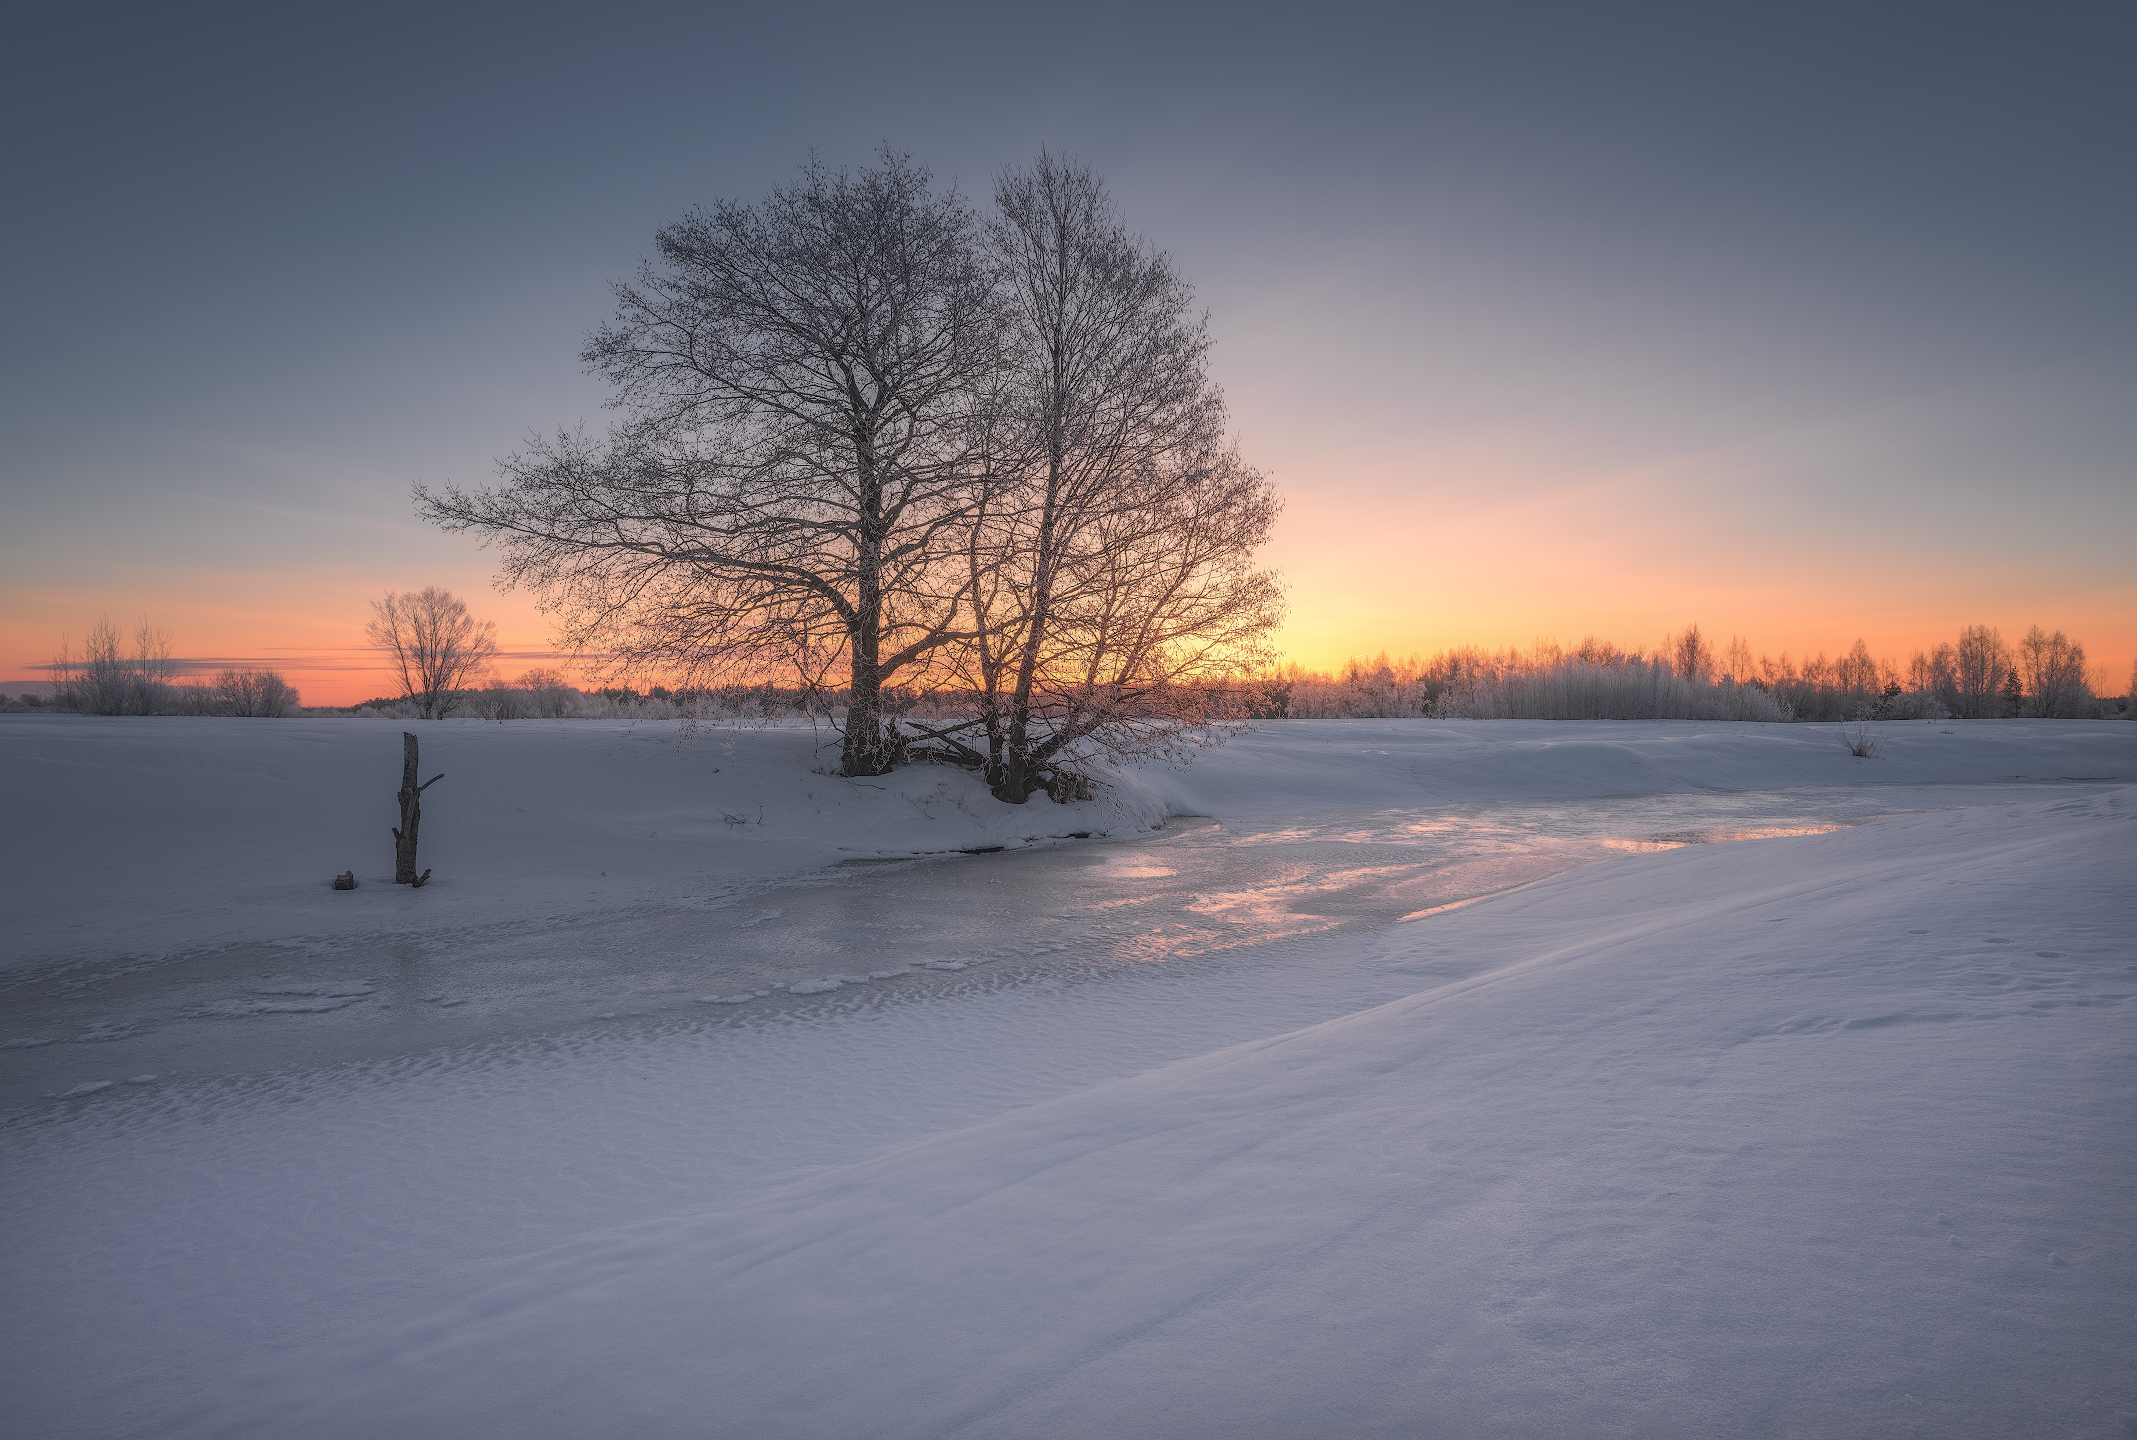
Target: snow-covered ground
pixel 1822 1133
pixel 145 836
pixel 154 834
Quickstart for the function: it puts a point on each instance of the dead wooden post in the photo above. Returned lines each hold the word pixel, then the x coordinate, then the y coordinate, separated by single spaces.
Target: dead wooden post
pixel 404 839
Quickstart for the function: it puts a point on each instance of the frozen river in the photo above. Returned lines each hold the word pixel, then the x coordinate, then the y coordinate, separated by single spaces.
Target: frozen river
pixel 1195 896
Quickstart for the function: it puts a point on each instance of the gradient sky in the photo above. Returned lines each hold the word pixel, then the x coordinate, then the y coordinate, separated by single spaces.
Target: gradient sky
pixel 1803 322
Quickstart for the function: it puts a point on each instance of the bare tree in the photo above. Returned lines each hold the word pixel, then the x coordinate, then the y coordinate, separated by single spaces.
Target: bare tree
pixel 2053 670
pixel 1108 559
pixel 1857 672
pixel 1981 669
pixel 1691 653
pixel 1739 666
pixel 105 680
pixel 1936 674
pixel 801 375
pixel 437 648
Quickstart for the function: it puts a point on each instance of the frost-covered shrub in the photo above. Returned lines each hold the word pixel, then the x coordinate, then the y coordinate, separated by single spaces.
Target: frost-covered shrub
pixel 243 694
pixel 544 695
pixel 548 692
pixel 1687 678
pixel 255 694
pixel 1633 690
pixel 500 702
pixel 105 680
pixel 1899 704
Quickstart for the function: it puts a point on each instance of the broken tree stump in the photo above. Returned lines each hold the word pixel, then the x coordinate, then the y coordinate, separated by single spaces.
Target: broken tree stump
pixel 404 838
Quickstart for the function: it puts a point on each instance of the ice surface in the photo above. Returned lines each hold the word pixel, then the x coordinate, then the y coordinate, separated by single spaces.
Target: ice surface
pixel 1614 1153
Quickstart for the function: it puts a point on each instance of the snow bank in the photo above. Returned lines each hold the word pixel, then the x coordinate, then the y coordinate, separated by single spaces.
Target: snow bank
pixel 157 833
pixel 1290 767
pixel 1816 1136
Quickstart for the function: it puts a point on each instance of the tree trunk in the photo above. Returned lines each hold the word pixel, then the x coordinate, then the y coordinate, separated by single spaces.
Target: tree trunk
pixel 1019 776
pixel 411 795
pixel 869 749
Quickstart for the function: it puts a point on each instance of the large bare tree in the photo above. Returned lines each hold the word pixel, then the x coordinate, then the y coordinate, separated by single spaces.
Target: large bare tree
pixel 436 648
pixel 799 377
pixel 1109 558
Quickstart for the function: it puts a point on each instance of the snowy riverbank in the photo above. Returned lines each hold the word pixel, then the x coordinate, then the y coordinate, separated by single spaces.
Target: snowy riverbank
pixel 155 834
pixel 150 835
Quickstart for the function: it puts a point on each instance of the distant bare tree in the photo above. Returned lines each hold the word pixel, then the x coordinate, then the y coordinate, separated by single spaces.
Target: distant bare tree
pixel 1981 669
pixel 801 374
pixel 105 680
pixel 1691 654
pixel 2052 668
pixel 1595 651
pixel 1857 671
pixel 254 693
pixel 437 648
pixel 1739 666
pixel 1936 674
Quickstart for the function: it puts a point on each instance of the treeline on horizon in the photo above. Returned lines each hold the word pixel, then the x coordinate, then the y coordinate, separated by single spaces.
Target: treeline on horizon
pixel 1977 676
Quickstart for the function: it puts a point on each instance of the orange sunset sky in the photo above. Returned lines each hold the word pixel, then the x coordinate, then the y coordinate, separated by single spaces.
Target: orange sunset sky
pixel 1803 326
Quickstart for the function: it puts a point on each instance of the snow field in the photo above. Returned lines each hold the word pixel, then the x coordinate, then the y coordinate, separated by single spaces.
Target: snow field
pixel 1814 1136
pixel 1805 1136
